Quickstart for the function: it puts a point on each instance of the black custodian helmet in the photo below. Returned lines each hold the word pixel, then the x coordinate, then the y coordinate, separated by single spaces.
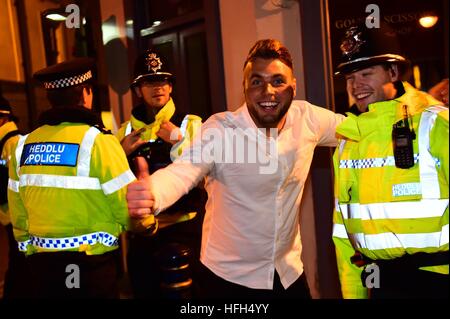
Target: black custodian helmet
pixel 151 67
pixel 363 47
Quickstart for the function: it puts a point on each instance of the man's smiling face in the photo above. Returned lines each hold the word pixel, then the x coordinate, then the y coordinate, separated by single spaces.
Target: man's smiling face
pixel 269 87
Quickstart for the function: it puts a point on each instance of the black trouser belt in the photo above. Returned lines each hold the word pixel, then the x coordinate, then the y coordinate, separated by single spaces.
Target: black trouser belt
pixel 411 261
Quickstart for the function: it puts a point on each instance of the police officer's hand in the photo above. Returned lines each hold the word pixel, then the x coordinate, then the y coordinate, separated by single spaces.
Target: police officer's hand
pixel 169 132
pixel 132 141
pixel 139 196
pixel 440 91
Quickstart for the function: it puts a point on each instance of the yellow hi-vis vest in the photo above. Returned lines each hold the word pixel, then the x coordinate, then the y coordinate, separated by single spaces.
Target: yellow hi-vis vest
pixel 189 127
pixel 67 190
pixel 382 211
pixel 5 157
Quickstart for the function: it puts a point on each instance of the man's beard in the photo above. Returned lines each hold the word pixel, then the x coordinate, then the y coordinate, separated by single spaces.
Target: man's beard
pixel 268 120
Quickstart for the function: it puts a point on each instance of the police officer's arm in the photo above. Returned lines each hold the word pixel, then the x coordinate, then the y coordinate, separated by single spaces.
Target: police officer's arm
pixel 189 128
pixel 349 274
pixel 439 147
pixel 19 215
pixel 111 167
pixel 440 91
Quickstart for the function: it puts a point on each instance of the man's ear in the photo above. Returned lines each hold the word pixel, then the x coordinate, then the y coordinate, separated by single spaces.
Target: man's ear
pixel 294 87
pixel 137 90
pixel 394 73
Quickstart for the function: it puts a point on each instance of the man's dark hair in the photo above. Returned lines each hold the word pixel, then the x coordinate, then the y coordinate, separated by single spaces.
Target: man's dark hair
pixel 269 49
pixel 70 96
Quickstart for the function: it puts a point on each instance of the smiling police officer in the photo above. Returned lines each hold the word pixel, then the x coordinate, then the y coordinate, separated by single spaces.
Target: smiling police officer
pixel 67 190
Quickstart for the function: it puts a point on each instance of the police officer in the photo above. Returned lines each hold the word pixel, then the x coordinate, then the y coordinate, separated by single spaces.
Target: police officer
pixel 15 284
pixel 391 176
pixel 67 190
pixel 157 131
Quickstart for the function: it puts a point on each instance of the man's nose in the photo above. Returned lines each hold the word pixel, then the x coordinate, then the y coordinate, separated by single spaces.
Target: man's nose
pixel 269 89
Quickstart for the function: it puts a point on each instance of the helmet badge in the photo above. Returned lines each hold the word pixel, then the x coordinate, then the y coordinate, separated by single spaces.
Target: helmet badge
pixel 352 42
pixel 153 62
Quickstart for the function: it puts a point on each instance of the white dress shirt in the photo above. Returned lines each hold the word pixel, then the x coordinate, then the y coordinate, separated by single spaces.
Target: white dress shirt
pixel 251 224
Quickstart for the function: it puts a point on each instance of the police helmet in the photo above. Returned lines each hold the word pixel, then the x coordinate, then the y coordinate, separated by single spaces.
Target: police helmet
pixel 151 67
pixel 363 47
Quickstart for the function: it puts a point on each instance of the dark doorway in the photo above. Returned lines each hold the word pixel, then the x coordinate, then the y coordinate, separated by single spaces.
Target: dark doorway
pixel 188 37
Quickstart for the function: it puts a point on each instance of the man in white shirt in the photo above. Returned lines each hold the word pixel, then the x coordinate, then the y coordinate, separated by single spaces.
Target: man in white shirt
pixel 255 161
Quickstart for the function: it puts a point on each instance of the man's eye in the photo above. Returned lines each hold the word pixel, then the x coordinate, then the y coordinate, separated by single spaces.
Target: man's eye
pixel 255 82
pixel 278 82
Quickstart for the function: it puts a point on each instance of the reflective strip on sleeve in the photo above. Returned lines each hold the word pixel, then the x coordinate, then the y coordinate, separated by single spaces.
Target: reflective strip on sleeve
pixel 84 156
pixel 390 240
pixel 117 183
pixel 339 231
pixel 378 162
pixel 128 129
pixel 395 210
pixel 428 173
pixel 13 185
pixel 183 125
pixel 341 147
pixel 58 181
pixel 19 150
pixel 103 238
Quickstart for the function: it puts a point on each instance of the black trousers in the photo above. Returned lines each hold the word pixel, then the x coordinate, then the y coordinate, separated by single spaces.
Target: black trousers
pixel 215 287
pixel 17 276
pixel 404 283
pixel 63 275
pixel 145 264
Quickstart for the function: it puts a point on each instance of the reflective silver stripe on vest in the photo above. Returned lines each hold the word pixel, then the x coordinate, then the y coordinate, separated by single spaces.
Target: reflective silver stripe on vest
pixel 424 208
pixel 13 185
pixel 85 153
pixel 128 129
pixel 183 125
pixel 19 150
pixel 428 173
pixel 341 147
pixel 60 181
pixel 339 231
pixel 390 240
pixel 103 238
pixel 117 183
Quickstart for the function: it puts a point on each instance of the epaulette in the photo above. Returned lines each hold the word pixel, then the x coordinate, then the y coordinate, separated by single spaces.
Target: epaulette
pixel 102 129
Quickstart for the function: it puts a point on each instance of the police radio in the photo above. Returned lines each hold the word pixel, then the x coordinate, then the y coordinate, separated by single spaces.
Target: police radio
pixel 402 141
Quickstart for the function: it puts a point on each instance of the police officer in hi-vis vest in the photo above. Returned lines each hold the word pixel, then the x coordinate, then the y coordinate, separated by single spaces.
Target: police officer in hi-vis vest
pixel 391 176
pixel 16 279
pixel 159 132
pixel 67 190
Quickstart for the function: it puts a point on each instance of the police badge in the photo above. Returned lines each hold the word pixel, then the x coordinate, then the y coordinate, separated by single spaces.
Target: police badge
pixel 352 42
pixel 153 62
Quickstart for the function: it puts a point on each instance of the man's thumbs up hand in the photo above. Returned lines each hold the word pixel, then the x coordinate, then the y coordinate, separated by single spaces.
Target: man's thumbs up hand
pixel 141 168
pixel 140 199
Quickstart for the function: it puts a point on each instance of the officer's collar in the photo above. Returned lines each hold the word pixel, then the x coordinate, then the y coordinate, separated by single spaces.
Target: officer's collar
pixel 142 113
pixel 79 114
